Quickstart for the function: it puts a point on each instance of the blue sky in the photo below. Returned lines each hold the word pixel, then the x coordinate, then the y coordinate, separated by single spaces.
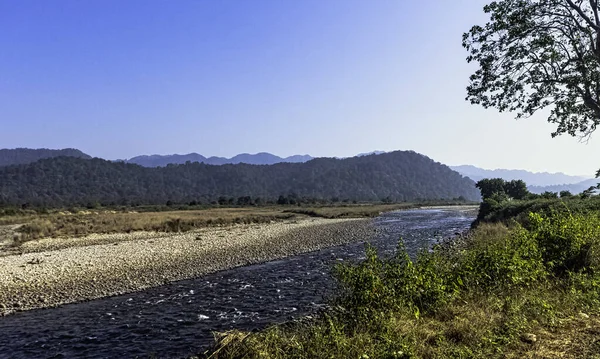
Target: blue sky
pixel 324 77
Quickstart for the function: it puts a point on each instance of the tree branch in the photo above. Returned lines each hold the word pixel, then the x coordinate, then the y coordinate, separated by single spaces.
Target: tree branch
pixel 583 15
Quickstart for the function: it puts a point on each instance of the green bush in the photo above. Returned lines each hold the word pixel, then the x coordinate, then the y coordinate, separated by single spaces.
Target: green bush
pixel 568 242
pixel 375 286
pixel 508 211
pixel 511 260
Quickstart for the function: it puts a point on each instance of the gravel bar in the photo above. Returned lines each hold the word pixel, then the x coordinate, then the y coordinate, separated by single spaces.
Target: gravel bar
pixel 51 272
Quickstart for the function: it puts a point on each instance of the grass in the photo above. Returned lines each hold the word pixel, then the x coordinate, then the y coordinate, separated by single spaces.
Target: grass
pixel 69 223
pixel 87 222
pixel 350 211
pixel 501 292
pixel 507 211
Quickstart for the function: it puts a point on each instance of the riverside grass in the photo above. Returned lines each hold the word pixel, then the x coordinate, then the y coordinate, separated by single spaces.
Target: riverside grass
pixel 62 223
pixel 500 292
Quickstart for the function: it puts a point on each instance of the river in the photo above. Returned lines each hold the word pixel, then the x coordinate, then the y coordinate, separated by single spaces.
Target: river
pixel 177 320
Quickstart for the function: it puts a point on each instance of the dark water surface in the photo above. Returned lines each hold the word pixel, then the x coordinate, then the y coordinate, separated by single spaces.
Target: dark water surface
pixel 177 320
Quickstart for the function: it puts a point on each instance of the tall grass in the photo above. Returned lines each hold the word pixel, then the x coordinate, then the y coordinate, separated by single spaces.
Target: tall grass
pixel 83 223
pixel 501 292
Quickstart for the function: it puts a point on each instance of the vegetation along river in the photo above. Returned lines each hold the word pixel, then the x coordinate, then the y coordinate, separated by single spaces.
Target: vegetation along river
pixel 178 319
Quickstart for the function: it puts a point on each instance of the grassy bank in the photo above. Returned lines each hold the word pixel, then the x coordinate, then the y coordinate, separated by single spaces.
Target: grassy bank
pixel 64 223
pixel 350 211
pixel 86 222
pixel 507 211
pixel 500 292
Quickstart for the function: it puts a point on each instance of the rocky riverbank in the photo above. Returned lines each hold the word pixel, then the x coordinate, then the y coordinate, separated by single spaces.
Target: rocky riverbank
pixel 57 271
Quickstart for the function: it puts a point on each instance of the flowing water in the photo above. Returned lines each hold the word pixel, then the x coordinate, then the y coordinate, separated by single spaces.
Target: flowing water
pixel 178 319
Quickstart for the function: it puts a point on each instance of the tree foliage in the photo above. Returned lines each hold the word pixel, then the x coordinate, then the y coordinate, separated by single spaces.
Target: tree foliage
pixel 536 54
pixel 64 181
pixel 499 188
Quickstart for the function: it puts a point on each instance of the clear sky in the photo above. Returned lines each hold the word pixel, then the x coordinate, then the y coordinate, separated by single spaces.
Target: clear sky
pixel 119 78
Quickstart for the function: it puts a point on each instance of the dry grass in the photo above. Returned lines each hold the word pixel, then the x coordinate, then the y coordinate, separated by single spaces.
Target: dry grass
pixel 87 222
pixel 576 337
pixel 68 224
pixel 350 211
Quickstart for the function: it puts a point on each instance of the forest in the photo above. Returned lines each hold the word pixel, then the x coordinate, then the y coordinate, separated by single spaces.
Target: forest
pixel 392 177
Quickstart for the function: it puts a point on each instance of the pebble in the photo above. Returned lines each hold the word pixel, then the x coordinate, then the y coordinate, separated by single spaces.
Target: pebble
pixel 529 338
pixel 95 267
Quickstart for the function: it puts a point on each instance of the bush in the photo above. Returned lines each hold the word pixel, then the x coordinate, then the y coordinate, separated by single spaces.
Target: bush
pixel 568 242
pixel 374 286
pixel 500 262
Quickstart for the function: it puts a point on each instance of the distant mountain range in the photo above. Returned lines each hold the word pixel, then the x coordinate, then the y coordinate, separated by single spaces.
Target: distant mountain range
pixel 573 188
pixel 262 158
pixel 19 156
pixel 394 176
pixel 537 182
pixel 531 178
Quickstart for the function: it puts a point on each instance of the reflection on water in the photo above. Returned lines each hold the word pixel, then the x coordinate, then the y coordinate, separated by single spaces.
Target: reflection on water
pixel 178 319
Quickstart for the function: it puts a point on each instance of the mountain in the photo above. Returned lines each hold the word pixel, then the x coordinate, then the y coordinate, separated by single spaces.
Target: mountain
pixel 399 176
pixel 370 153
pixel 574 188
pixel 19 156
pixel 161 161
pixel 262 158
pixel 531 178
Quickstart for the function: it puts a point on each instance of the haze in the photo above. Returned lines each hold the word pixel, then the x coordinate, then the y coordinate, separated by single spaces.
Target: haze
pixel 329 78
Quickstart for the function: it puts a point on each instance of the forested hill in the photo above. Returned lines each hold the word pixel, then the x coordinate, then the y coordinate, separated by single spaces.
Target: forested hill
pixel 397 176
pixel 19 156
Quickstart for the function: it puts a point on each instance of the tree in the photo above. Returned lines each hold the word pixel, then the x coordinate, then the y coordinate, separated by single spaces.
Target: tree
pixel 490 187
pixel 549 195
pixel 536 54
pixel 590 191
pixel 565 194
pixel 516 189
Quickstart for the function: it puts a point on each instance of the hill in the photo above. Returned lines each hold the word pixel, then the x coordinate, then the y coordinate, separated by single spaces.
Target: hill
pixel 20 156
pixel 531 178
pixel 262 158
pixel 398 176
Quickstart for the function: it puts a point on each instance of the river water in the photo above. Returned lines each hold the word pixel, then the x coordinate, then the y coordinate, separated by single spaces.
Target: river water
pixel 178 319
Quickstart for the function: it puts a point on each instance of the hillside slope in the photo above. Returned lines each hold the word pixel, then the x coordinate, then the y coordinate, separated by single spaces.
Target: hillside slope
pixel 401 176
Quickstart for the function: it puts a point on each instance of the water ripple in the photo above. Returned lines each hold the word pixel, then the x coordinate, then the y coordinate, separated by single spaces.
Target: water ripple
pixel 179 319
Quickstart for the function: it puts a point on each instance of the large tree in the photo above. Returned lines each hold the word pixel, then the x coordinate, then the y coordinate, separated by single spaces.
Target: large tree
pixel 535 54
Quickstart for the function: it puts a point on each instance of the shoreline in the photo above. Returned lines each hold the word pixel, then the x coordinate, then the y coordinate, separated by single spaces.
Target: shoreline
pixel 50 273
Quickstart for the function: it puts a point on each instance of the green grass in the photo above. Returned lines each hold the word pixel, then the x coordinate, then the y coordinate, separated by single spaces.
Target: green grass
pixel 507 211
pixel 502 292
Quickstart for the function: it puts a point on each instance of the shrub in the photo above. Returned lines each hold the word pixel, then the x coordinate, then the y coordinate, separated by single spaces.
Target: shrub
pixel 567 242
pixel 375 286
pixel 508 260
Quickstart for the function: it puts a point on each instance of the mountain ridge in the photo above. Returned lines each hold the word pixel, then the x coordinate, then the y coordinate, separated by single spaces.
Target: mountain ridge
pixel 21 155
pixel 261 158
pixel 538 179
pixel 397 176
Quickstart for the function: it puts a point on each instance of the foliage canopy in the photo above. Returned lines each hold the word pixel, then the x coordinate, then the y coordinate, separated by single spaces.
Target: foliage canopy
pixel 536 54
pixel 68 181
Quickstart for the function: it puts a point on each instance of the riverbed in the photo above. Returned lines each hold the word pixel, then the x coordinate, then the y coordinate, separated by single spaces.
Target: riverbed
pixel 178 319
